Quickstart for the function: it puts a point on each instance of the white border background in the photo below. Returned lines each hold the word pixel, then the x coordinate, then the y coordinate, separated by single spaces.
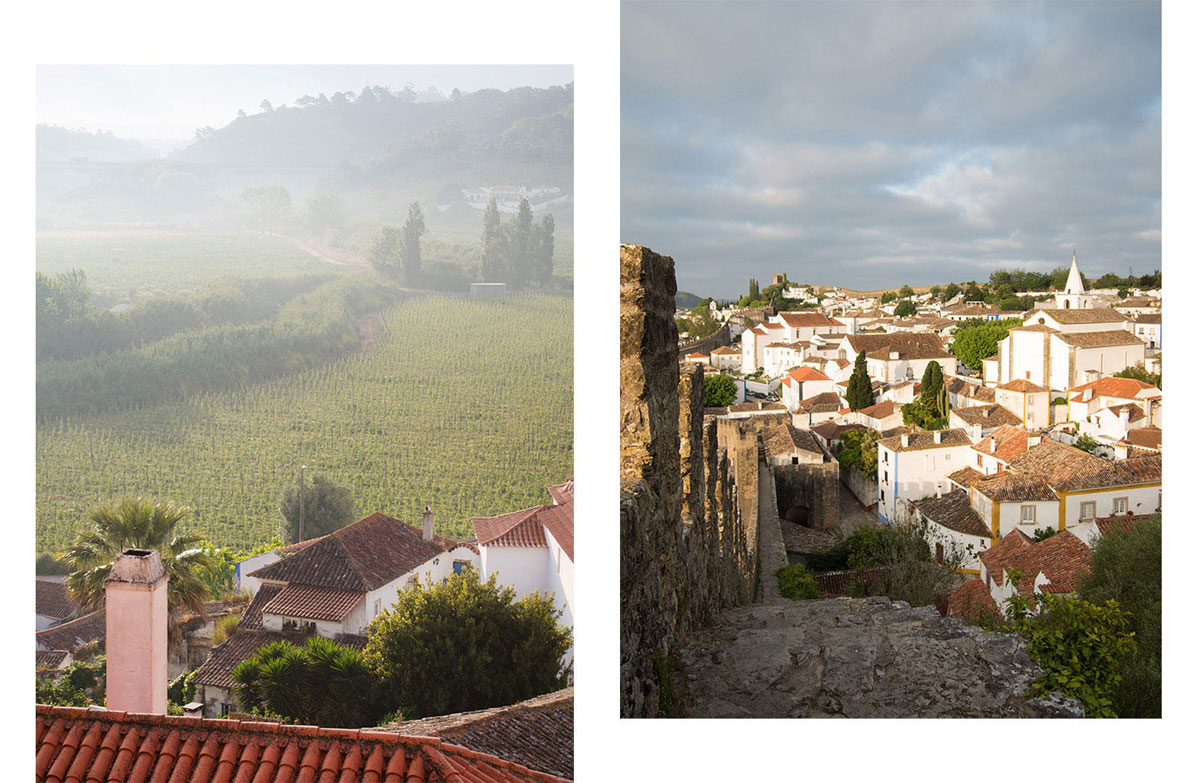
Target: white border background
pixel 587 35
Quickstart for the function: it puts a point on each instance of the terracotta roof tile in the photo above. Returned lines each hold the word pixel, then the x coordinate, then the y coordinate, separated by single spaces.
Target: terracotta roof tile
pixel 538 733
pixel 1145 438
pixel 1122 523
pixel 51 659
pixel 909 345
pixel 784 439
pixel 364 555
pixel 1099 339
pixel 91 745
pixel 972 601
pixel 252 616
pixel 1066 468
pixel 805 374
pixel 1063 559
pixel 1022 385
pixel 516 528
pixel 798 319
pixel 966 477
pixel 51 600
pixel 918 441
pixel 1083 316
pixel 998 556
pixel 560 522
pixel 992 415
pixel 953 510
pixel 1011 441
pixel 314 603
pixel 825 402
pixel 1111 386
pixel 1014 487
pixel 73 635
pixel 880 410
pixel 218 669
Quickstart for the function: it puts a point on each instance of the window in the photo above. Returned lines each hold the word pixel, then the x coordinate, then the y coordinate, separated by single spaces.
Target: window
pixel 459 565
pixel 795 460
pixel 225 709
pixel 1028 515
pixel 947 459
pixel 885 478
pixel 376 607
pixel 881 495
pixel 978 459
pixel 1087 511
pixel 1120 505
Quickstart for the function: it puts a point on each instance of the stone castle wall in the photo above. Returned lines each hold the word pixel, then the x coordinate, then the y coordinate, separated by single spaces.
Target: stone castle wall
pixel 684 552
pixel 717 339
pixel 812 485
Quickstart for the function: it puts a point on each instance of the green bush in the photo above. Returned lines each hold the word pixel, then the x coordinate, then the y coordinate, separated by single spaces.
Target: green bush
pixel 796 581
pixel 719 391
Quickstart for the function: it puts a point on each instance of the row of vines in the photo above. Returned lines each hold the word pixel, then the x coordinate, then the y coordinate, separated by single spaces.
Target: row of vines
pixel 463 404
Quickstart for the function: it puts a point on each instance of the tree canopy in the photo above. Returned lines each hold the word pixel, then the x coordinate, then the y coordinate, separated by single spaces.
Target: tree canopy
pixel 719 390
pixel 327 507
pixel 976 340
pixel 317 683
pixel 906 308
pixel 465 645
pixel 858 390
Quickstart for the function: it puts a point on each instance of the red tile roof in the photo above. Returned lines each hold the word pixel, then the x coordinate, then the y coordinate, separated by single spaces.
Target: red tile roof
pixel 995 558
pixel 926 439
pixel 803 374
pixel 516 528
pixel 1014 487
pixel 364 555
pixel 314 603
pixel 1063 559
pixel 51 600
pixel 825 402
pixel 224 658
pixel 1122 524
pixel 73 635
pixel 972 601
pixel 75 744
pixel 1085 316
pixel 1066 468
pixel 909 345
pixel 560 522
pixel 252 616
pixel 1111 386
pixel 953 510
pixel 562 492
pixel 1145 438
pixel 1022 385
pixel 797 319
pixel 50 659
pixel 1011 441
pixel 538 732
pixel 965 477
pixel 880 410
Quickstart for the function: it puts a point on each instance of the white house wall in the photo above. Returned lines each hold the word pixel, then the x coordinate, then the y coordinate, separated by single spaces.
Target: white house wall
pixel 244 583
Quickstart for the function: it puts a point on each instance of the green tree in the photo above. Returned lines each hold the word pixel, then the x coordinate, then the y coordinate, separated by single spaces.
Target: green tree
pixel 327 507
pixel 858 390
pixel 494 251
pixel 753 292
pixel 933 390
pixel 976 340
pixel 887 296
pixel 719 390
pixel 1087 443
pixel 384 255
pixel 267 202
pixel 410 245
pixel 950 292
pixel 796 581
pixel 545 250
pixel 905 308
pixel 1126 566
pixel 320 683
pixel 521 244
pixel 1138 372
pixel 466 645
pixel 905 291
pixel 139 523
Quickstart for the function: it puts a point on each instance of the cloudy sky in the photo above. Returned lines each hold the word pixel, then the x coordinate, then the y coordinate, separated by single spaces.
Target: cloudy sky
pixel 170 102
pixel 871 145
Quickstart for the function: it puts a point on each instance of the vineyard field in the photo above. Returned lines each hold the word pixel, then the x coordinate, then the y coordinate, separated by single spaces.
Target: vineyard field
pixel 163 262
pixel 464 404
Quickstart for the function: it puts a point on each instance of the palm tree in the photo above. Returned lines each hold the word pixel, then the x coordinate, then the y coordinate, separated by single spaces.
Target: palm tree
pixel 139 523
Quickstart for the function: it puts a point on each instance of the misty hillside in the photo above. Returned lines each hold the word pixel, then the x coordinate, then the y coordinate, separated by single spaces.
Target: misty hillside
pixel 56 144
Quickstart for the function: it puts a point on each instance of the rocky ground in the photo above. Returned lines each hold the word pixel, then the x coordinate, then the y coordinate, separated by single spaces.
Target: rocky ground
pixel 856 658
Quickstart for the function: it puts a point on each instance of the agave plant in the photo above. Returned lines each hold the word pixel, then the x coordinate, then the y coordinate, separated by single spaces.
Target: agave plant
pixel 139 523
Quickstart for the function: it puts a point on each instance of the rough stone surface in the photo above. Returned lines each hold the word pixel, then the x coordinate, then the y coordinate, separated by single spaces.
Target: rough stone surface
pixel 857 658
pixel 674 576
pixel 814 487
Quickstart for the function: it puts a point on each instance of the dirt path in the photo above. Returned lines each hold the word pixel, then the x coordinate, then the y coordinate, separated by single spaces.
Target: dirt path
pixel 370 333
pixel 330 255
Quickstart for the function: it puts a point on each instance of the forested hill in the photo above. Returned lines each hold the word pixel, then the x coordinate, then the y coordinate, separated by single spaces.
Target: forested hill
pixel 379 123
pixel 56 144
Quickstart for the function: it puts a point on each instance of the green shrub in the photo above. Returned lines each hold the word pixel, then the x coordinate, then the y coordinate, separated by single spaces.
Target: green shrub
pixel 796 581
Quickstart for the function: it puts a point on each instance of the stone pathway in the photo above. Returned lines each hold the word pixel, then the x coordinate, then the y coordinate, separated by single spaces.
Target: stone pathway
pixel 851 515
pixel 856 658
pixel 771 553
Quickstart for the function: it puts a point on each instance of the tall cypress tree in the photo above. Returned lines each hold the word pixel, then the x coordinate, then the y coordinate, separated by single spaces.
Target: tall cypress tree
pixel 858 391
pixel 492 260
pixel 410 245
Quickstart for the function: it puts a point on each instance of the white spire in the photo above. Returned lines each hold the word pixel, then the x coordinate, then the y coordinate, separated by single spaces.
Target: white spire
pixel 1074 279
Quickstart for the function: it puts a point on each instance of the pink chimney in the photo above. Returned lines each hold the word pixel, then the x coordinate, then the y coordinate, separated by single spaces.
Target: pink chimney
pixel 135 608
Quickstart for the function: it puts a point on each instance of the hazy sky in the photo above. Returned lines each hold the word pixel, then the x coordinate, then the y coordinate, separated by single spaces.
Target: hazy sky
pixel 874 144
pixel 170 102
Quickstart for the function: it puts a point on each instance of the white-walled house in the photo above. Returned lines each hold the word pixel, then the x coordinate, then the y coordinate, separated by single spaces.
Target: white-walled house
pixel 1027 401
pixel 914 466
pixel 953 529
pixel 533 550
pixel 801 384
pixel 333 587
pixel 1089 399
pixel 899 356
pixel 1060 349
pixel 726 358
pixel 755 342
pixel 1148 328
pixel 979 421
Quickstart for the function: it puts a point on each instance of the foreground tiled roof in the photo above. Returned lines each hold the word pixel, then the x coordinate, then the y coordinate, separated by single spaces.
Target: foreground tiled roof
pixel 563 492
pixel 1145 438
pixel 880 410
pixel 517 528
pixel 805 540
pixel 218 669
pixel 50 659
pixel 538 733
pixel 51 600
pixel 995 558
pixel 314 603
pixel 1014 487
pixel 1062 558
pixel 972 602
pixel 953 510
pixel 252 616
pixel 797 319
pixel 918 441
pixel 966 477
pixel 364 555
pixel 75 744
pixel 73 635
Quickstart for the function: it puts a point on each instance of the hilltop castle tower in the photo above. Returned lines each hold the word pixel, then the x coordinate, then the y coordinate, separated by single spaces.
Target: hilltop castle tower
pixel 1073 296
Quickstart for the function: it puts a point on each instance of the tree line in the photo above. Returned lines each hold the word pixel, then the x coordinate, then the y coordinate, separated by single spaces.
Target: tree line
pixel 519 252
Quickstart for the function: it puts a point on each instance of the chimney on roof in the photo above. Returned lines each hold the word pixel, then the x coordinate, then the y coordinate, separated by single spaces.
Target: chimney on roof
pixel 992 442
pixel 904 440
pixel 427 524
pixel 1123 415
pixel 135 619
pixel 986 412
pixel 937 436
pixel 1033 441
pixel 1087 394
